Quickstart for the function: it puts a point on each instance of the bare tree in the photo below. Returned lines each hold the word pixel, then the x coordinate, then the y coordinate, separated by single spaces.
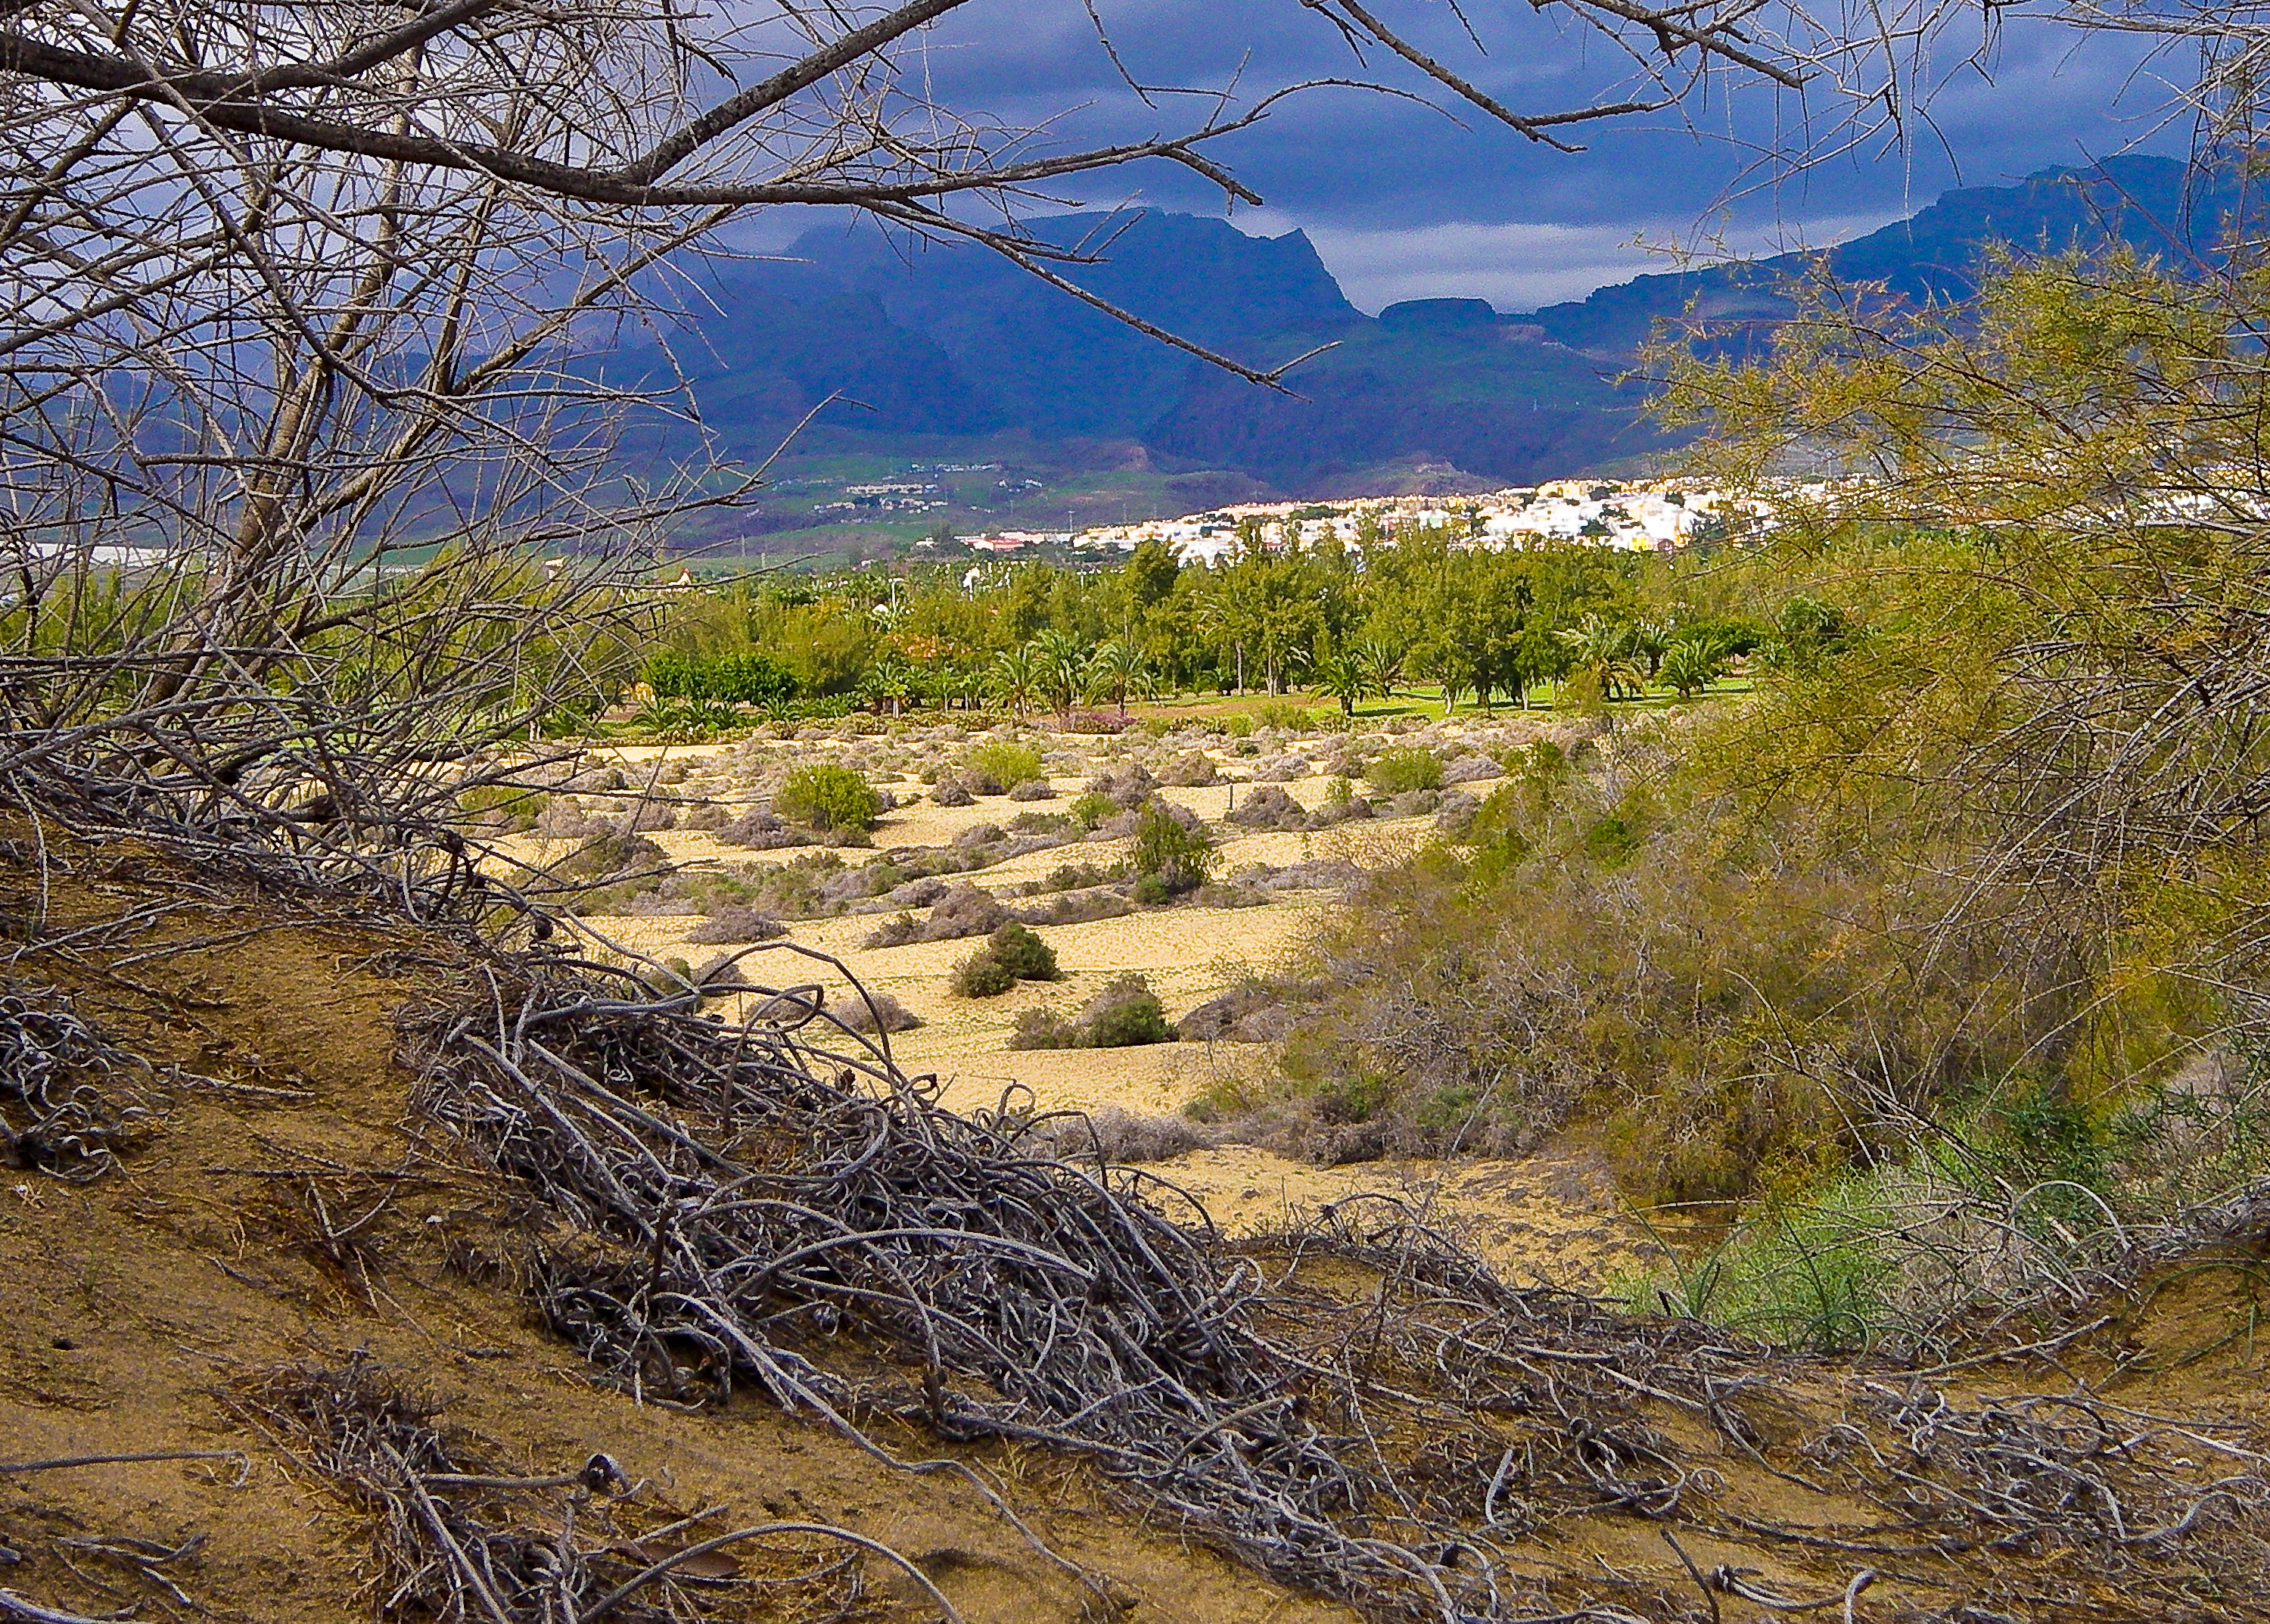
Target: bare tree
pixel 307 319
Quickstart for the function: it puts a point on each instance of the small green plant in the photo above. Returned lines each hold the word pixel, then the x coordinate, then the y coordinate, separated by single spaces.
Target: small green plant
pixel 1169 857
pixel 1403 768
pixel 1239 726
pixel 1000 765
pixel 1023 954
pixel 982 976
pixel 1093 809
pixel 1284 714
pixel 1125 1014
pixel 513 810
pixel 828 797
pixel 1337 790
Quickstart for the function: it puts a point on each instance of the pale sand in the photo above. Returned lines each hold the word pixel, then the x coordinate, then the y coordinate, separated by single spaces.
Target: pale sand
pixel 1552 1215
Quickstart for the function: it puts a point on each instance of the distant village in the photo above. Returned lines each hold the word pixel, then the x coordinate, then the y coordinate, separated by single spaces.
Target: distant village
pixel 1658 515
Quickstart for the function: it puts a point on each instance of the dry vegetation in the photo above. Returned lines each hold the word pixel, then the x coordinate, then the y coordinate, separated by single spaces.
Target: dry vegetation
pixel 479 1308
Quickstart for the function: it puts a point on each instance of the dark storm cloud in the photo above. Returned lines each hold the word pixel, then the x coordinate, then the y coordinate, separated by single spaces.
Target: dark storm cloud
pixel 1404 201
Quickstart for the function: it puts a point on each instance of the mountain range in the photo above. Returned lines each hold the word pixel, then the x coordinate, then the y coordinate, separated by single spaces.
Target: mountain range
pixel 927 345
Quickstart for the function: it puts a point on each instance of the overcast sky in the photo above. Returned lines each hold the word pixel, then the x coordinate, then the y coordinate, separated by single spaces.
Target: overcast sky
pixel 1404 201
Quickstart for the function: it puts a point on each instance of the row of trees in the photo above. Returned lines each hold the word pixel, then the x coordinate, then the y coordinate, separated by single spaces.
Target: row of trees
pixel 1480 626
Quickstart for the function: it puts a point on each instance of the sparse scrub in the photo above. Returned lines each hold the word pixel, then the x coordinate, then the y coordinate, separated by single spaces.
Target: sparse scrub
pixel 835 799
pixel 1172 855
pixel 1402 769
pixel 1125 1014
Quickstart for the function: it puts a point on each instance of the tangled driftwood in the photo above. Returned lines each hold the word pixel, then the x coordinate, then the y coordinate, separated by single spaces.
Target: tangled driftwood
pixel 1360 1406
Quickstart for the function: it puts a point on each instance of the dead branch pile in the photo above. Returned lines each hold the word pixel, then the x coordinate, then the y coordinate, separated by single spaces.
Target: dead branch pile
pixel 1361 1407
pixel 69 1099
pixel 456 1540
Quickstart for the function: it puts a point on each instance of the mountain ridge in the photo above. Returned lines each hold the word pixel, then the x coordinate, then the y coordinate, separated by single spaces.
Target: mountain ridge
pixel 951 343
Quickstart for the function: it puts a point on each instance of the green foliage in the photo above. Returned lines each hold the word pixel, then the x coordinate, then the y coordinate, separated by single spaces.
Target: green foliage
pixel 1691 664
pixel 1169 855
pixel 828 797
pixel 740 678
pixel 982 976
pixel 505 806
pixel 1004 763
pixel 1125 1013
pixel 1018 950
pixel 1091 809
pixel 1402 769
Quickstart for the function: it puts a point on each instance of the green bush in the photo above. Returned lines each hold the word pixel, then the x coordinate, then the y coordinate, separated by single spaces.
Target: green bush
pixel 1002 764
pixel 1171 857
pixel 1093 809
pixel 982 976
pixel 1402 769
pixel 828 797
pixel 1240 726
pixel 1023 954
pixel 1285 715
pixel 732 678
pixel 1125 1013
pixel 514 810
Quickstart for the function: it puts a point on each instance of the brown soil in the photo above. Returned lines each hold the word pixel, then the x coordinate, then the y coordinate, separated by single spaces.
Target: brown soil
pixel 240 1236
pixel 135 1304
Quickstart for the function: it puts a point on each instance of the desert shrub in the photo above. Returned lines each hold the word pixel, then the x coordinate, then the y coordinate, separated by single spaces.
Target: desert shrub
pixel 1125 1013
pixel 1113 1136
pixel 735 925
pixel 1079 907
pixel 1023 954
pixel 1266 807
pixel 1033 789
pixel 1193 769
pixel 1072 876
pixel 1042 1028
pixel 605 856
pixel 982 976
pixel 1003 764
pixel 1126 784
pixel 834 799
pixel 1402 769
pixel 1092 809
pixel 953 792
pixel 1172 854
pixel 760 830
pixel 887 1014
pixel 1239 726
pixel 1284 716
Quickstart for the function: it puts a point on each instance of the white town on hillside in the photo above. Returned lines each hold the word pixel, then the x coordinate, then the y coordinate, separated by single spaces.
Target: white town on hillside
pixel 1659 516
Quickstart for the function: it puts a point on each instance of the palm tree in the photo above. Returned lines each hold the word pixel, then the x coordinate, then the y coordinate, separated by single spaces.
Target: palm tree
pixel 1605 650
pixel 1691 664
pixel 1062 664
pixel 1345 675
pixel 1115 668
pixel 1383 662
pixel 1015 678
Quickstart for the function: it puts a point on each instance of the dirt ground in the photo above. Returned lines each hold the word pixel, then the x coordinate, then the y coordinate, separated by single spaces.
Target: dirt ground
pixel 136 1309
pixel 132 1308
